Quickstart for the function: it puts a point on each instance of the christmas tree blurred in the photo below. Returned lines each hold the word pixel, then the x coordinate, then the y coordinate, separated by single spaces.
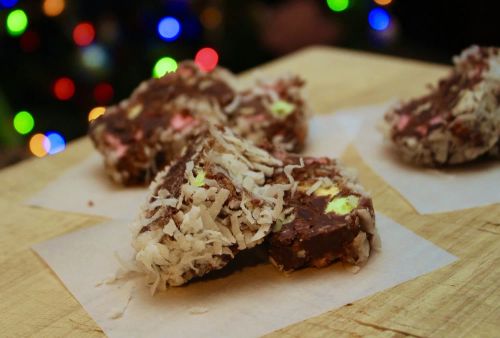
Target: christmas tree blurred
pixel 62 61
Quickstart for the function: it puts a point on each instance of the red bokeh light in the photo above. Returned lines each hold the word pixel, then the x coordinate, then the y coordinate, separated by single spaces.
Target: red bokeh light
pixel 30 41
pixel 103 93
pixel 64 88
pixel 84 34
pixel 207 59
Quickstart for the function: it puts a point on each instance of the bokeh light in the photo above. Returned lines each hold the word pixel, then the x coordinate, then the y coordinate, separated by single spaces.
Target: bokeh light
pixel 53 7
pixel 54 143
pixel 338 5
pixel 169 28
pixel 8 3
pixel 30 41
pixel 23 122
pixel 383 2
pixel 36 145
pixel 84 34
pixel 17 22
pixel 163 66
pixel 103 93
pixel 96 112
pixel 94 57
pixel 211 17
pixel 379 19
pixel 64 88
pixel 207 59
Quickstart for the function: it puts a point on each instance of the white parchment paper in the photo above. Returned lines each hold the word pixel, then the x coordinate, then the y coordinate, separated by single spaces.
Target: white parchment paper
pixel 329 135
pixel 86 189
pixel 428 190
pixel 247 303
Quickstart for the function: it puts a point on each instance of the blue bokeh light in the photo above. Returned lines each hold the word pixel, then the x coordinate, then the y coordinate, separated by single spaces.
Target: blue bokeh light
pixel 169 28
pixel 8 3
pixel 94 57
pixel 379 19
pixel 54 143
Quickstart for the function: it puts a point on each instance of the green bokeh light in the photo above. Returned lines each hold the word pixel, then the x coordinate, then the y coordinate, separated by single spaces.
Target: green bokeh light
pixel 17 22
pixel 163 66
pixel 23 122
pixel 338 5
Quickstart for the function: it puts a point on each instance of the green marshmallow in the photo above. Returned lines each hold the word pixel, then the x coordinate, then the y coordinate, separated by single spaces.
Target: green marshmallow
pixel 199 180
pixel 342 205
pixel 282 108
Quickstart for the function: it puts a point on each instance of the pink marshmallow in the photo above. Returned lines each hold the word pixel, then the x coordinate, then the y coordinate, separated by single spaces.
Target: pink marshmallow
pixel 180 121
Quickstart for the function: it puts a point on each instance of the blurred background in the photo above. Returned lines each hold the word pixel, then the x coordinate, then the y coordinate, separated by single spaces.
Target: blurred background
pixel 63 61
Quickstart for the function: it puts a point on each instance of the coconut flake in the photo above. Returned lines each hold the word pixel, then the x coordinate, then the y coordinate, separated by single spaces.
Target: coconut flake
pixel 289 168
pixel 278 207
pixel 261 233
pixel 231 107
pixel 235 229
pixel 170 228
pixel 164 202
pixel 125 294
pixel 314 187
pixel 220 198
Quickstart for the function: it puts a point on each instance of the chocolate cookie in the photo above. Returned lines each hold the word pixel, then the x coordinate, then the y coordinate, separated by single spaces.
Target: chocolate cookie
pixel 457 121
pixel 213 202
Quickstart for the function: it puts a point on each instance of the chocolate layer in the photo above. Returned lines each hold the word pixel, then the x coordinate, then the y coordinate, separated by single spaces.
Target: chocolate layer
pixel 315 236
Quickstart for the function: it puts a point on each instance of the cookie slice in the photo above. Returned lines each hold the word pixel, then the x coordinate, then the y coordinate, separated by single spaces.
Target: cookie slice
pixel 457 121
pixel 210 204
pixel 142 134
pixel 273 111
pixel 332 218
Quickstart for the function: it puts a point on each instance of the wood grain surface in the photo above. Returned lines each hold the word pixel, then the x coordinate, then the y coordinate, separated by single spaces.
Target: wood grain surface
pixel 460 300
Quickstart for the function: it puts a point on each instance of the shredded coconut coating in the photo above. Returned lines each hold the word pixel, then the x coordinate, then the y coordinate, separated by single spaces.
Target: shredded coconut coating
pixel 458 121
pixel 212 203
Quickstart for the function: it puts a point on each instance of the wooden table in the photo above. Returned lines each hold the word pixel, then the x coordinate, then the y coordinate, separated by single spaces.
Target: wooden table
pixel 462 299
